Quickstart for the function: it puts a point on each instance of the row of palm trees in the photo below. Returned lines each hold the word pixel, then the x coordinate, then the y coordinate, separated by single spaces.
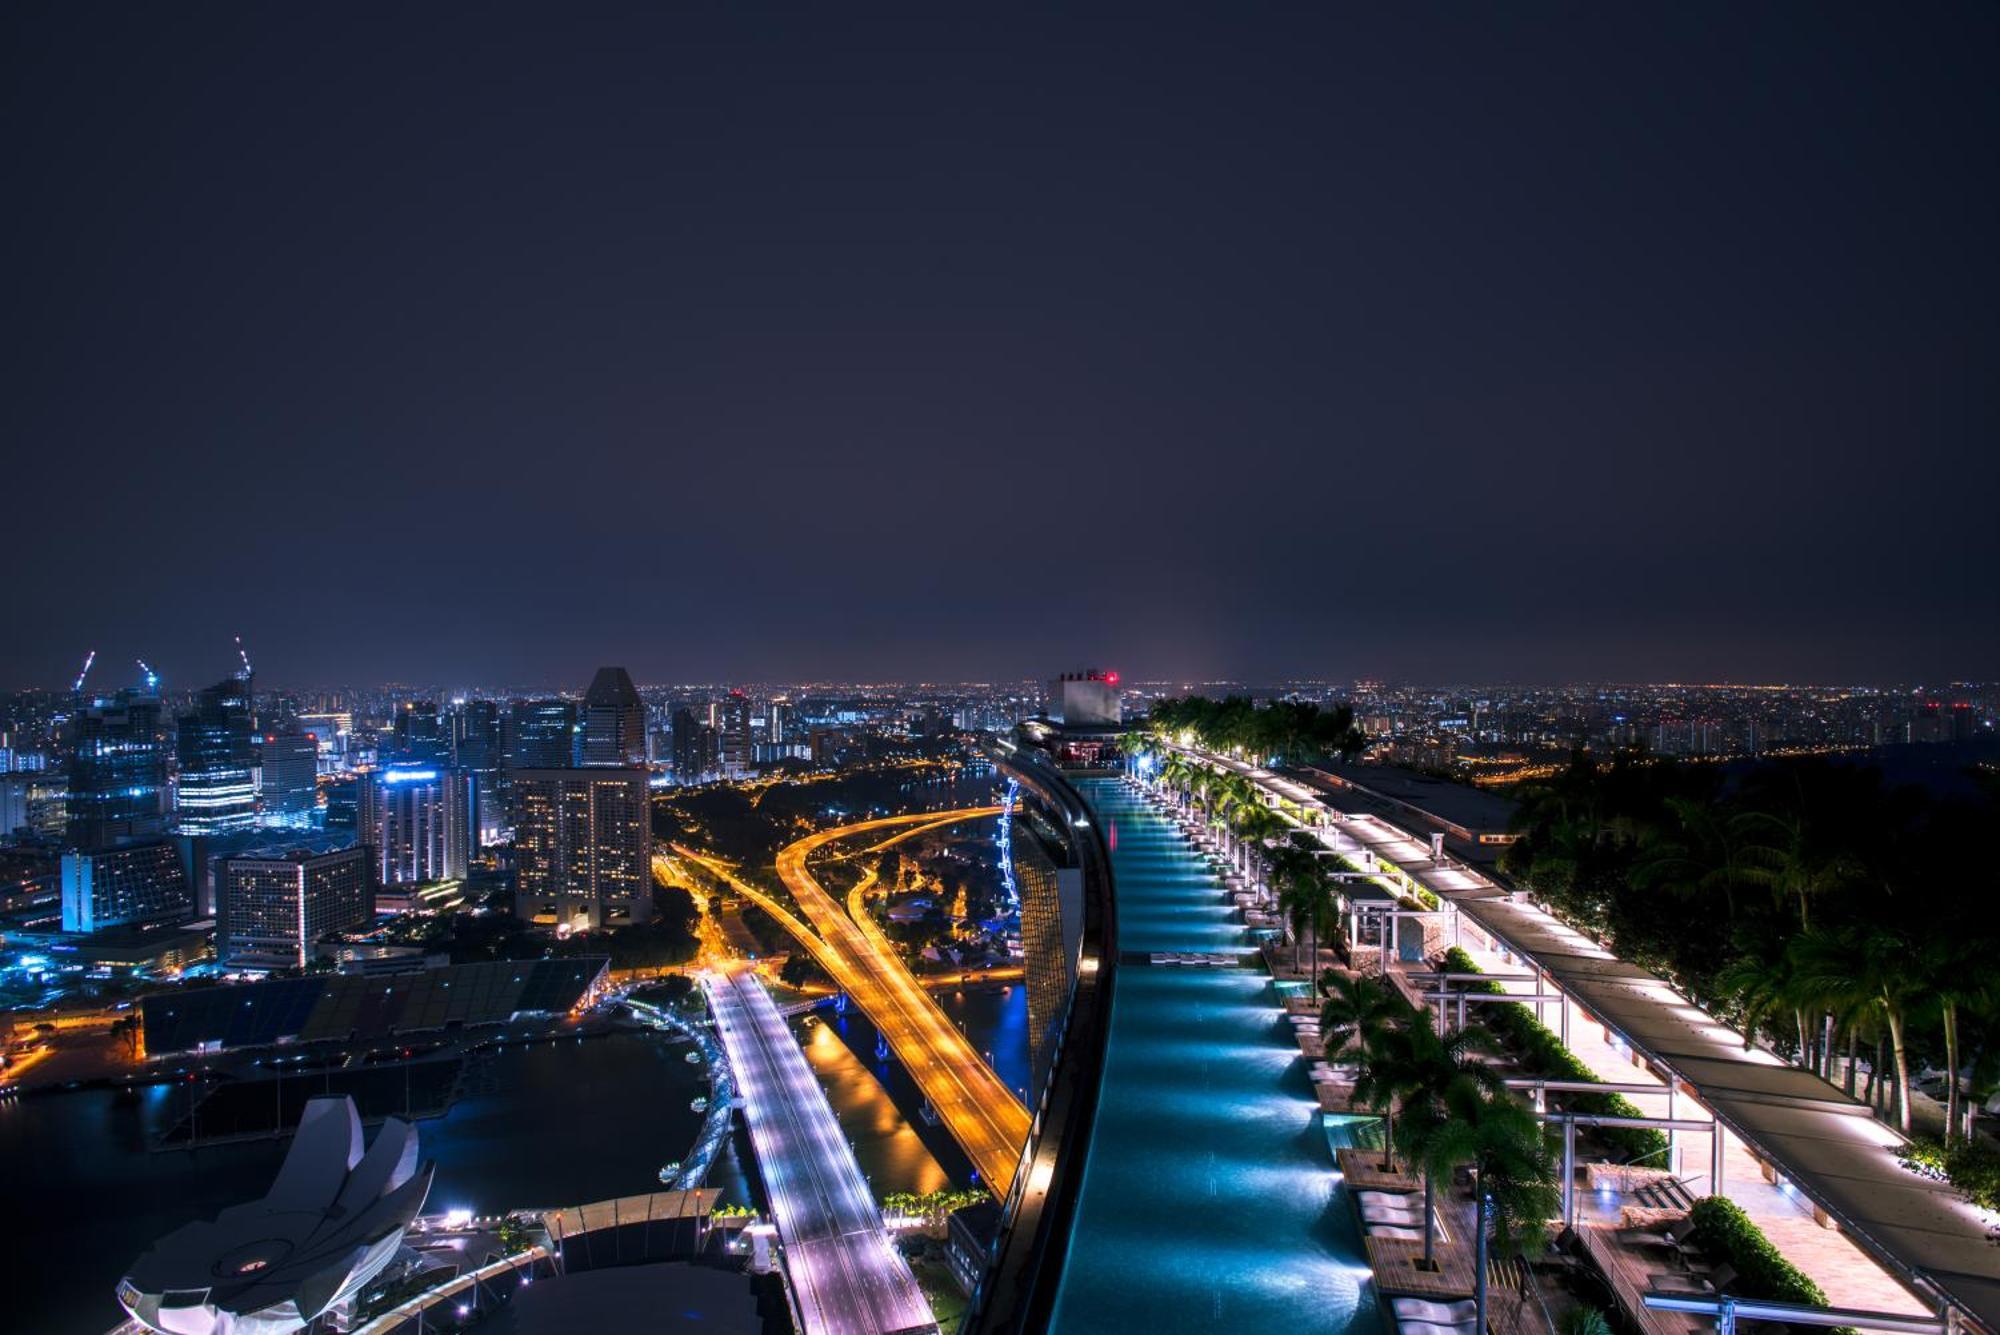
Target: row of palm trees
pixel 1444 1107
pixel 1836 916
pixel 1259 841
pixel 1287 730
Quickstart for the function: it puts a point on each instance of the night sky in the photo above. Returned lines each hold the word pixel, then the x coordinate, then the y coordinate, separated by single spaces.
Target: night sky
pixel 482 344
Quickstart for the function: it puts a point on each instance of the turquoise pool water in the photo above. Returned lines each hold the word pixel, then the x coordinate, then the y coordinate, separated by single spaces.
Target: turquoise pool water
pixel 1210 1200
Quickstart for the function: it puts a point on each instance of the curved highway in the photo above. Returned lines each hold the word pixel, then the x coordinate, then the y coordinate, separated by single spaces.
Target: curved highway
pixel 983 1115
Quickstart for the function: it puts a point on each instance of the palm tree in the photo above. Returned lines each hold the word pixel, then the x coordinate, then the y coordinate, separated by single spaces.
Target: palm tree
pixel 1437 1078
pixel 1796 860
pixel 1295 901
pixel 1256 824
pixel 1701 850
pixel 1867 967
pixel 1507 1147
pixel 1957 970
pixel 1357 1014
pixel 1305 893
pixel 1763 988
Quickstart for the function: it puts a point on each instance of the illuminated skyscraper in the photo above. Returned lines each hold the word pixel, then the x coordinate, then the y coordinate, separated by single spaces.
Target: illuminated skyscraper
pixel 539 734
pixel 696 751
pixel 139 884
pixel 476 748
pixel 117 772
pixel 216 791
pixel 287 777
pixel 419 736
pixel 737 753
pixel 583 847
pixel 418 822
pixel 614 721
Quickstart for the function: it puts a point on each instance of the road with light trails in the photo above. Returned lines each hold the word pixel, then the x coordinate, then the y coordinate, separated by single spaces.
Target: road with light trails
pixel 984 1116
pixel 846 1275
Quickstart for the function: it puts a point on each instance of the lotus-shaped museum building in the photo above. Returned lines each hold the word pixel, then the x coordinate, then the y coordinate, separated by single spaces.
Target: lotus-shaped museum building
pixel 332 1220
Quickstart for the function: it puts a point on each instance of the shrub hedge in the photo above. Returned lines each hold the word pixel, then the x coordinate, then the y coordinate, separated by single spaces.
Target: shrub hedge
pixel 1723 1231
pixel 1541 1053
pixel 1972 1168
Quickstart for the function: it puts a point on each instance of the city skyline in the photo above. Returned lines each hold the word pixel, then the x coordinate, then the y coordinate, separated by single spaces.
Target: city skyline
pixel 1647 345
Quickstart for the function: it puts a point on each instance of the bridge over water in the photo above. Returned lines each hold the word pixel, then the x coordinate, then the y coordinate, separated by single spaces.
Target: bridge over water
pixel 847 1277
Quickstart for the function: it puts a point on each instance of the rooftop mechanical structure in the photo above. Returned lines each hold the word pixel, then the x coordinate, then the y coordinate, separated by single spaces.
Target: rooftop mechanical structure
pixel 332 1220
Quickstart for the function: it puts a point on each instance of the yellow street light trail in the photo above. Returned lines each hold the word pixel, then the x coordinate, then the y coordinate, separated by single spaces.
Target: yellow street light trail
pixel 984 1116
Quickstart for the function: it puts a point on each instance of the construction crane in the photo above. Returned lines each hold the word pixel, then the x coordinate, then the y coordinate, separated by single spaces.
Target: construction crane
pixel 242 654
pixel 151 678
pixel 88 659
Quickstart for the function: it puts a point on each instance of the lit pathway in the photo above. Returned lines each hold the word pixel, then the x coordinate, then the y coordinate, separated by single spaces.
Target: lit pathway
pixel 846 1275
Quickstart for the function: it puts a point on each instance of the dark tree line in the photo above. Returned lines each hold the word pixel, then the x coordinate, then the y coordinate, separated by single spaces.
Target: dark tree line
pixel 1809 901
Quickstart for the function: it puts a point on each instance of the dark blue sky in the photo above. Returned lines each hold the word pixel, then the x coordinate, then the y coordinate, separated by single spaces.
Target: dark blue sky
pixel 477 342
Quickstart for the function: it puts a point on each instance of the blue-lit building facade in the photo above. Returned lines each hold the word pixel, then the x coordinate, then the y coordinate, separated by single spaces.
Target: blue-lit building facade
pixel 417 822
pixel 139 885
pixel 117 772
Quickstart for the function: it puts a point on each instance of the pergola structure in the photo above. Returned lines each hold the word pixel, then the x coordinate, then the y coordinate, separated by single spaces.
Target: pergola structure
pixel 1826 1143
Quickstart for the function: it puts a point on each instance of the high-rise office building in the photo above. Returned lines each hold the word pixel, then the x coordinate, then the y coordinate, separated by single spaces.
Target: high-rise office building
pixel 14 817
pixel 477 748
pixel 737 756
pixel 614 721
pixel 583 847
pixel 287 777
pixel 539 734
pixel 117 771
pixel 216 791
pixel 418 737
pixel 138 884
pixel 696 747
pixel 274 908
pixel 334 731
pixel 418 823
pixel 778 722
pixel 474 729
pixel 1085 699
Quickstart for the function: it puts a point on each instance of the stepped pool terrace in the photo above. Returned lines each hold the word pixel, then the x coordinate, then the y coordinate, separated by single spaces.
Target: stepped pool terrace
pixel 1210 1199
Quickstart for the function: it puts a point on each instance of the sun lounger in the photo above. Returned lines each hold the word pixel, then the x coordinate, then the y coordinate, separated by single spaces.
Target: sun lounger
pixel 1396 1232
pixel 1392 1214
pixel 1434 1327
pixel 1443 1314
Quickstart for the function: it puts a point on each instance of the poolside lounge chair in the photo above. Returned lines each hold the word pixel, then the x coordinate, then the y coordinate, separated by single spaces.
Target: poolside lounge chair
pixel 1397 1231
pixel 1434 1327
pixel 1717 1280
pixel 1380 1213
pixel 1423 1309
pixel 1671 1237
